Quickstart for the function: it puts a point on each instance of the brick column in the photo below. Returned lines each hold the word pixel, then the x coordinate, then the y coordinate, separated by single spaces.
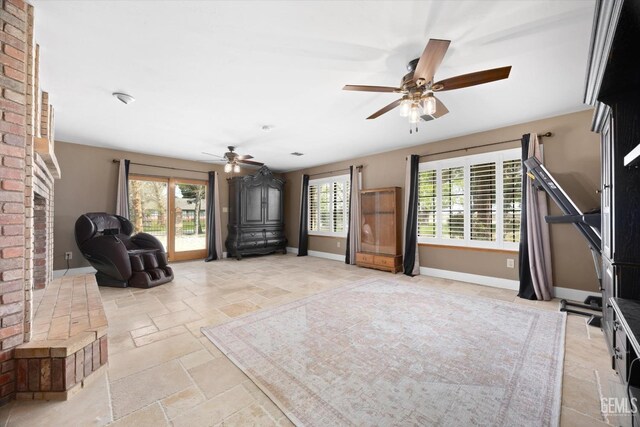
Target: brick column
pixel 13 78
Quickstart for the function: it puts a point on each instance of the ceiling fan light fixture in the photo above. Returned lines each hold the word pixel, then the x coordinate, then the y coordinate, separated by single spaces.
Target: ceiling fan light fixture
pixel 124 97
pixel 228 167
pixel 405 108
pixel 429 104
pixel 236 168
pixel 414 115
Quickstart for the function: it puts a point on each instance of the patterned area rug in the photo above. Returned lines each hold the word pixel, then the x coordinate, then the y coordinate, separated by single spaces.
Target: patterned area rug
pixel 380 352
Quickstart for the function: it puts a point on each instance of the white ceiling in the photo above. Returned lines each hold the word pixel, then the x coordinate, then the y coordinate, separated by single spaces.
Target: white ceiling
pixel 209 74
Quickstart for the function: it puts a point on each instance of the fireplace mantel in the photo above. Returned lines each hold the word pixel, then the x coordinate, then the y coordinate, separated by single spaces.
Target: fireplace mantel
pixel 44 147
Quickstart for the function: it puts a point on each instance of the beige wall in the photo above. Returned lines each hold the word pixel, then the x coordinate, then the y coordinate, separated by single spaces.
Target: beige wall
pixel 89 181
pixel 572 155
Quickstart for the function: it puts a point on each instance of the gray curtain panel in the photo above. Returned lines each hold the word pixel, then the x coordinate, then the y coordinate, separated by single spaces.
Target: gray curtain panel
pixel 355 217
pixel 538 232
pixel 122 195
pixel 214 227
pixel 303 237
pixel 411 261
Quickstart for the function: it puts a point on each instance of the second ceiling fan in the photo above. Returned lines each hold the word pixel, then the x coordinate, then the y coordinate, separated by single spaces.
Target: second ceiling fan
pixel 417 87
pixel 233 160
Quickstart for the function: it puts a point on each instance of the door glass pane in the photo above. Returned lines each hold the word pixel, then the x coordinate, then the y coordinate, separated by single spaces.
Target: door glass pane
pixel 273 205
pixel 253 211
pixel 190 217
pixel 148 207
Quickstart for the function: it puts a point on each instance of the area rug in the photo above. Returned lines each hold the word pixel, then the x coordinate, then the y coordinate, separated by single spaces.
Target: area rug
pixel 382 352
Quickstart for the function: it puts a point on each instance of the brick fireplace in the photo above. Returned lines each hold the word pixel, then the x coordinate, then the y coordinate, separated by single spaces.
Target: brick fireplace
pixel 28 168
pixel 52 332
pixel 42 250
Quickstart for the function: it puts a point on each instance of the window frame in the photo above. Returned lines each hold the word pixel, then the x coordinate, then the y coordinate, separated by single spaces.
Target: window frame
pixel 345 179
pixel 497 157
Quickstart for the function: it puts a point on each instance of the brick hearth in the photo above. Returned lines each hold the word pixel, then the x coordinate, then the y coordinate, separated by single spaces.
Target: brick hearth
pixel 69 341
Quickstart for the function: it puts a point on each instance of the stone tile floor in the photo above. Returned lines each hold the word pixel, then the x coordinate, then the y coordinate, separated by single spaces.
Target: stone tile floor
pixel 163 371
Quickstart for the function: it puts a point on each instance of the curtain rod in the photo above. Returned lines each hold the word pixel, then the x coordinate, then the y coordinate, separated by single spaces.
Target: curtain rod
pixel 162 167
pixel 540 135
pixel 337 170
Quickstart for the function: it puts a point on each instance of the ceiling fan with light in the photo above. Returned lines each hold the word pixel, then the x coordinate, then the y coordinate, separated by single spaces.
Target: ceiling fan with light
pixel 233 160
pixel 417 87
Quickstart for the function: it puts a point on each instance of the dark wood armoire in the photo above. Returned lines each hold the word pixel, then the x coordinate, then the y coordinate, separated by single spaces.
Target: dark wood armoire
pixel 613 88
pixel 256 214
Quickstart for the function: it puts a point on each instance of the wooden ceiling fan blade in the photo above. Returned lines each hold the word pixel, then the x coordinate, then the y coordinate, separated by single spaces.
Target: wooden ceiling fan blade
pixel 362 88
pixel 430 60
pixel 441 110
pixel 386 109
pixel 250 162
pixel 245 157
pixel 472 79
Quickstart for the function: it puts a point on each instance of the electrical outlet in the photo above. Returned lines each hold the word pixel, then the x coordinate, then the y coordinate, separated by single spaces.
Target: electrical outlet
pixel 225 209
pixel 68 255
pixel 511 263
pixel 338 243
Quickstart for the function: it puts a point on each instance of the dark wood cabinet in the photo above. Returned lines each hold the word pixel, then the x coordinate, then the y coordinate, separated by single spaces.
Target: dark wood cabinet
pixel 256 214
pixel 613 87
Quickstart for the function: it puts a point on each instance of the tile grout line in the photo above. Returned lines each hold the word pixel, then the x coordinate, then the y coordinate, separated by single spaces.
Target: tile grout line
pixel 109 394
pixel 166 417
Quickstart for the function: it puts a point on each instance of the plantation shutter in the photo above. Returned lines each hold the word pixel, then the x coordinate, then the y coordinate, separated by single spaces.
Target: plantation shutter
pixel 511 200
pixel 482 192
pixel 338 207
pixel 313 208
pixel 427 193
pixel 345 202
pixel 453 203
pixel 325 207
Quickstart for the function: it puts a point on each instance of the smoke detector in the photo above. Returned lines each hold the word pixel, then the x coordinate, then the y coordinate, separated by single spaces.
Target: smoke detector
pixel 123 97
pixel 296 153
pixel 266 128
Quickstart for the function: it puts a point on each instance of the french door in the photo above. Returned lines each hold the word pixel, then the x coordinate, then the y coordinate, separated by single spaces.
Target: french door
pixel 174 211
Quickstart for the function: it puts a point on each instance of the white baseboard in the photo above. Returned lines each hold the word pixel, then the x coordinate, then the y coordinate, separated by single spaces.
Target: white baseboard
pixel 73 272
pixel 327 255
pixel 318 254
pixel 573 294
pixel 496 282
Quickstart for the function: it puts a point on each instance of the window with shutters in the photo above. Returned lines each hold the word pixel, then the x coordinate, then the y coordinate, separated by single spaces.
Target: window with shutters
pixel 471 201
pixel 329 206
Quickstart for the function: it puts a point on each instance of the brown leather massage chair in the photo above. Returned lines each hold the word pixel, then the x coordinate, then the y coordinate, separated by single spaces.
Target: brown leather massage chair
pixel 121 259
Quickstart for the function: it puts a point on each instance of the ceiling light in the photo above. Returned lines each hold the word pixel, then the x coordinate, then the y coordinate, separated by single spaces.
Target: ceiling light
pixel 429 104
pixel 414 115
pixel 123 97
pixel 228 167
pixel 236 168
pixel 405 108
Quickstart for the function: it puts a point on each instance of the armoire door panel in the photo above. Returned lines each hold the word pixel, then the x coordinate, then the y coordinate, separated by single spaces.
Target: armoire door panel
pixel 252 209
pixel 274 205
